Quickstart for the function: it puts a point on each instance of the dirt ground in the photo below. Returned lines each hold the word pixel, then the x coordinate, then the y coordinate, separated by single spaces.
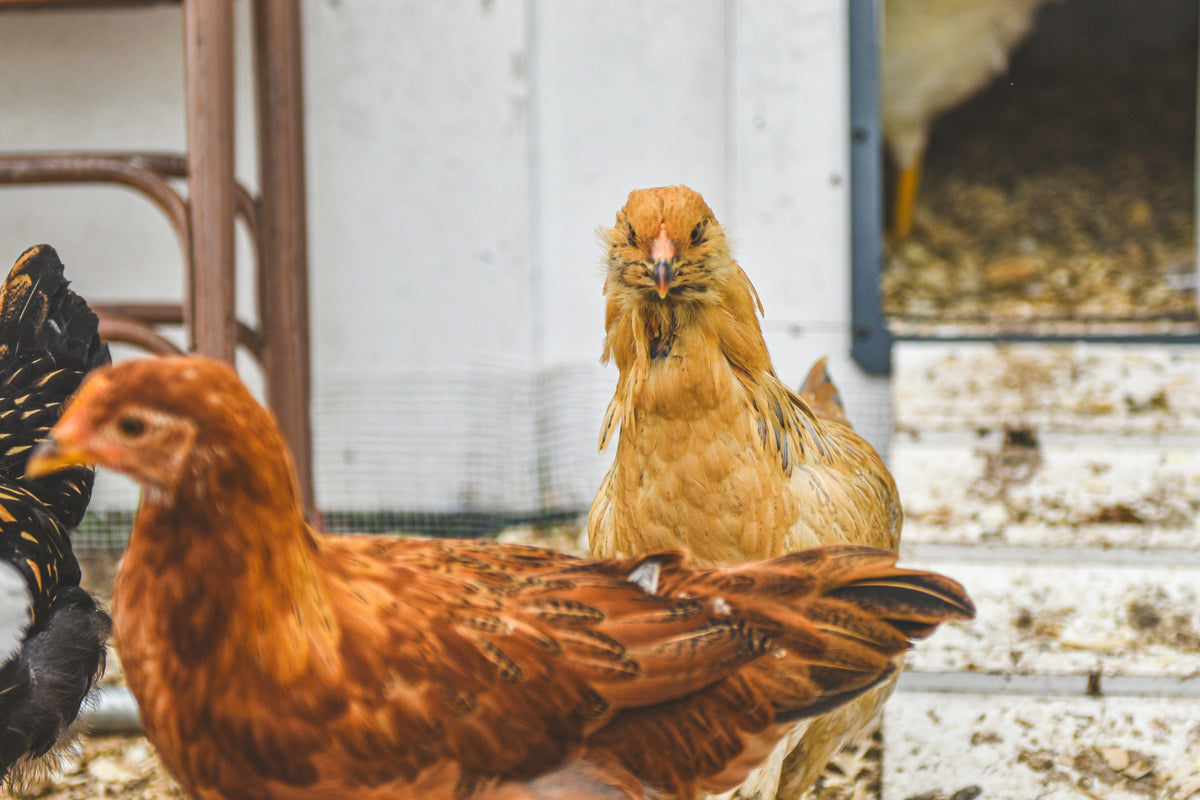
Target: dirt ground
pixel 105 766
pixel 127 767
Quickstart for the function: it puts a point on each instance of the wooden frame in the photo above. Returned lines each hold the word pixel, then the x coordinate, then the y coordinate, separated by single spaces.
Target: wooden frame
pixel 204 220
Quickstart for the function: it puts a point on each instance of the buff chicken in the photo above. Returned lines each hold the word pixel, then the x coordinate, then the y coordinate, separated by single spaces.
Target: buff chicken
pixel 715 453
pixel 52 634
pixel 936 55
pixel 272 661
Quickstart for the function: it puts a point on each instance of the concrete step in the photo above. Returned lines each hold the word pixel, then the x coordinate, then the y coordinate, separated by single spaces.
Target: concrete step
pixel 1107 388
pixel 1049 488
pixel 1061 485
pixel 942 746
pixel 1061 618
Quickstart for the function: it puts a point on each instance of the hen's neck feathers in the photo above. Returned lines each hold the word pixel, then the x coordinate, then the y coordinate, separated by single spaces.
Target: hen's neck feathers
pixel 240 521
pixel 720 357
pixel 727 316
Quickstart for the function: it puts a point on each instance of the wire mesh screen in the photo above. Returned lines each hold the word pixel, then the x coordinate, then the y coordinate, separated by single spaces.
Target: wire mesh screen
pixel 105 527
pixel 868 404
pixel 457 452
pixel 469 452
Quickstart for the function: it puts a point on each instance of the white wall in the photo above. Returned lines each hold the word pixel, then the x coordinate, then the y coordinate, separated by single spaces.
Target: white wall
pixel 461 156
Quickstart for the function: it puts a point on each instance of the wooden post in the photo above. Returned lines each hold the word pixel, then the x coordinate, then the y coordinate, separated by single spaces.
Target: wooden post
pixel 208 77
pixel 283 233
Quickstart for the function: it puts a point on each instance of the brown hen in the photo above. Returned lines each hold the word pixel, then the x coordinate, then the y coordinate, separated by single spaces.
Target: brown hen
pixel 271 661
pixel 716 454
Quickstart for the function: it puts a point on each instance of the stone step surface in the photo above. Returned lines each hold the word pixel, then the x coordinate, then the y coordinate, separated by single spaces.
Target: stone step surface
pixel 944 746
pixel 1109 388
pixel 1069 619
pixel 1053 490
pixel 1061 485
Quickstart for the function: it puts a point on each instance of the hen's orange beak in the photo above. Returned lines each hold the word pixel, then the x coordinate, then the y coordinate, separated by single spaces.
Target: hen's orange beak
pixel 662 252
pixel 53 455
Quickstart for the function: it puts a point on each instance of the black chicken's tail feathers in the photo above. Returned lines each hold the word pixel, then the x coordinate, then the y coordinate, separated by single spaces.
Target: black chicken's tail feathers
pixel 43 686
pixel 40 315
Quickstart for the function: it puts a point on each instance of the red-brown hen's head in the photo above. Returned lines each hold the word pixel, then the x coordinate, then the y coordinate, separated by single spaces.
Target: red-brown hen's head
pixel 183 425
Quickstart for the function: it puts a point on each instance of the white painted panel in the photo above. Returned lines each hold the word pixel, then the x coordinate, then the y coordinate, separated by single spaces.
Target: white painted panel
pixel 790 159
pixel 789 175
pixel 629 95
pixel 427 440
pixel 109 79
pixel 461 156
pixel 417 120
pixel 1021 747
pixel 571 403
pixel 867 398
pixel 102 77
pixel 479 438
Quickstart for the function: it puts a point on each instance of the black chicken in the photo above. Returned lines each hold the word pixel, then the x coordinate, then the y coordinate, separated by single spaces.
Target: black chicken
pixel 52 633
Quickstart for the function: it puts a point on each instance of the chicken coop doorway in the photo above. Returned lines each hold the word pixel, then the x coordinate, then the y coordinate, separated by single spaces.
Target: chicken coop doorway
pixel 1056 199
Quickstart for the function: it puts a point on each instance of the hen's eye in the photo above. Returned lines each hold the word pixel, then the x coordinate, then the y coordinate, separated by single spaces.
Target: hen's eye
pixel 131 426
pixel 698 234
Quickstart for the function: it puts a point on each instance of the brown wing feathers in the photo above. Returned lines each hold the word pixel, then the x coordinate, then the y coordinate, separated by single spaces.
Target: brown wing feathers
pixel 684 676
pixel 807 647
pixel 826 620
pixel 841 612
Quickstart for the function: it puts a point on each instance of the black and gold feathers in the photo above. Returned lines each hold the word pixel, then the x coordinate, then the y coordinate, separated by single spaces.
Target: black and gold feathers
pixel 55 632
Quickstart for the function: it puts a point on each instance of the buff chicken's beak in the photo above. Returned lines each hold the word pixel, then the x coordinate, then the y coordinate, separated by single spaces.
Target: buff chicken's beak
pixel 662 252
pixel 53 455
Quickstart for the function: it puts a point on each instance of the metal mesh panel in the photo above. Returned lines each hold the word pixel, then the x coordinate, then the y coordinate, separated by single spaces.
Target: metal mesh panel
pixel 105 527
pixel 470 452
pixel 446 452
